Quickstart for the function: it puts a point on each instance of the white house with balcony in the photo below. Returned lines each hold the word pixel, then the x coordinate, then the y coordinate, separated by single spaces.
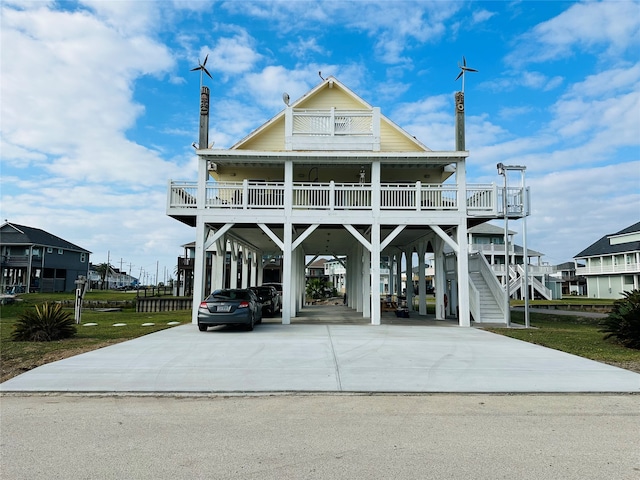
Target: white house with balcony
pixel 488 240
pixel 330 175
pixel 612 264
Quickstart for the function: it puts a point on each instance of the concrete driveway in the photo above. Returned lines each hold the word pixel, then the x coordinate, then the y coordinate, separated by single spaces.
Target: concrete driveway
pixel 325 358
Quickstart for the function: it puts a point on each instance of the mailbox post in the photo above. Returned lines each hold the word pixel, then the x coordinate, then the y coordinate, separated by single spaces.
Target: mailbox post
pixel 81 287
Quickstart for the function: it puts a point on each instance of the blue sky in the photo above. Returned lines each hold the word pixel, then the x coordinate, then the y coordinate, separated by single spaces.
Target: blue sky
pixel 99 107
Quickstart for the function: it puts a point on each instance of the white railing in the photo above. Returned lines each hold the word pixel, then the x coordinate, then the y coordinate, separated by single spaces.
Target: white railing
pixel 418 196
pixel 183 195
pixel 598 269
pixel 332 196
pixel 536 270
pixel 515 202
pixel 332 122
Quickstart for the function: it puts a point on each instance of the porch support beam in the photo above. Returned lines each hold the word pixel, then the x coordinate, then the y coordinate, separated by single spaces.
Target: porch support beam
pixel 211 239
pixel 391 236
pixel 448 240
pixel 271 235
pixel 303 236
pixel 352 230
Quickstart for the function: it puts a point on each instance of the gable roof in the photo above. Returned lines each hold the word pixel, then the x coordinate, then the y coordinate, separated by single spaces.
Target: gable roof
pixel 488 229
pixel 604 246
pixel 13 234
pixel 333 91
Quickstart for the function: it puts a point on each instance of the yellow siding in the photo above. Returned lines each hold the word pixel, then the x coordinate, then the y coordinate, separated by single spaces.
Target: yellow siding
pixel 331 97
pixel 393 141
pixel 271 139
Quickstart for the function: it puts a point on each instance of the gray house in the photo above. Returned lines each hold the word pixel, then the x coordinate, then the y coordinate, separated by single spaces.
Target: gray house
pixel 612 264
pixel 37 261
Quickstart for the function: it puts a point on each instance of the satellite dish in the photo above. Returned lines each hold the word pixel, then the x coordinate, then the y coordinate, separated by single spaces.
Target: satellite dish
pixel 285 98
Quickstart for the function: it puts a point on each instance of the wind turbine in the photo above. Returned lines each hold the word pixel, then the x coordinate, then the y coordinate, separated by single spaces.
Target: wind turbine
pixel 463 68
pixel 202 68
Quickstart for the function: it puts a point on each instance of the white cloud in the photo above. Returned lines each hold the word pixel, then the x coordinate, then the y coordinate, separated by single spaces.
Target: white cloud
pixel 572 209
pixel 77 104
pixel 610 26
pixel 481 16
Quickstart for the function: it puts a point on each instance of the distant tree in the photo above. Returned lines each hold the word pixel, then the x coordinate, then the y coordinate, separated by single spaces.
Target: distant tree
pixel 623 323
pixel 317 288
pixel 103 270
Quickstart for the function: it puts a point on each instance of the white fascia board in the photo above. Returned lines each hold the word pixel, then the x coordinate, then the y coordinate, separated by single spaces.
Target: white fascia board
pixel 343 156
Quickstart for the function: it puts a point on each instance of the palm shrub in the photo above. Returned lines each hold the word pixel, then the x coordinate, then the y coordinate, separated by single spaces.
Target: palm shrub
pixel 623 323
pixel 44 324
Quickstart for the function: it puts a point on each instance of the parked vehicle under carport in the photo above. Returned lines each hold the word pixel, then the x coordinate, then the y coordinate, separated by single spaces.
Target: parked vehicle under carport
pixel 269 298
pixel 238 306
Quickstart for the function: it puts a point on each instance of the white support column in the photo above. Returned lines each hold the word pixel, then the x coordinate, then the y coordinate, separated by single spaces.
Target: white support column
pixel 358 278
pixel 440 280
pixel 202 232
pixel 373 298
pixel 217 280
pixel 199 267
pixel 287 254
pixel 258 267
pixel 398 285
pixel 422 282
pixel 375 313
pixel 409 286
pixel 464 314
pixel 365 280
pixel 245 268
pixel 233 281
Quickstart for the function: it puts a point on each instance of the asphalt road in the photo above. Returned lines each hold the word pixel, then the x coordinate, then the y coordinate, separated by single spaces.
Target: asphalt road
pixel 428 436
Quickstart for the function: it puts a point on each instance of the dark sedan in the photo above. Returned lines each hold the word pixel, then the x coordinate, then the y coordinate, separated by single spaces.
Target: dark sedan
pixel 230 307
pixel 269 298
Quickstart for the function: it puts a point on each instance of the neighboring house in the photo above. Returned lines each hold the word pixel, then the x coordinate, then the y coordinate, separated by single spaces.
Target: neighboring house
pixel 612 264
pixel 488 240
pixel 113 280
pixel 571 283
pixel 37 261
pixel 315 269
pixel 331 176
pixel 335 270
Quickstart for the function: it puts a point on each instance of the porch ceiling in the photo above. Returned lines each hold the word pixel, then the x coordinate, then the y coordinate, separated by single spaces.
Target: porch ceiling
pixel 327 239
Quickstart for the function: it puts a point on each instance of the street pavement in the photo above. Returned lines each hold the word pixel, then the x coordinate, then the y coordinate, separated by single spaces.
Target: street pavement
pixel 321 436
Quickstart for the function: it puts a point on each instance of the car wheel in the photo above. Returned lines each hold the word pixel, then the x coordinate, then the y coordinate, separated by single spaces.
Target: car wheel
pixel 202 328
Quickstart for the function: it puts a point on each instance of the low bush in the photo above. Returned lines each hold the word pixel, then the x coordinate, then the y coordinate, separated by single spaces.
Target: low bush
pixel 44 324
pixel 623 323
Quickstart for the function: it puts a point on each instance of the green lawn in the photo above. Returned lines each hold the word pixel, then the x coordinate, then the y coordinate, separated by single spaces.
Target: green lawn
pixel 576 335
pixel 18 357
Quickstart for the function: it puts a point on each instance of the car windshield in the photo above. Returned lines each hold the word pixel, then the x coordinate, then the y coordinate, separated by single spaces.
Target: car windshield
pixel 264 291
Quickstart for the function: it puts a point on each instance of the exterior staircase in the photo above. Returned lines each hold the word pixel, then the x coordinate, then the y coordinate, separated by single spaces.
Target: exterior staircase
pixel 490 310
pixel 486 294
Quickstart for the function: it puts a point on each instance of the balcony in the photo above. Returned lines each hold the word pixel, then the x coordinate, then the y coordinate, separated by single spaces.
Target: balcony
pixel 331 196
pixel 628 268
pixel 332 129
